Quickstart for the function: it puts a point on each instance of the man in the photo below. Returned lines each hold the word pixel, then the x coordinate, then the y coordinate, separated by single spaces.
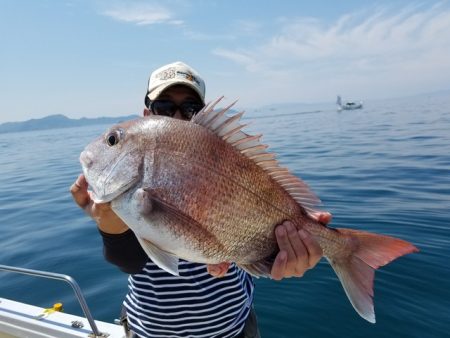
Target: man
pixel 197 303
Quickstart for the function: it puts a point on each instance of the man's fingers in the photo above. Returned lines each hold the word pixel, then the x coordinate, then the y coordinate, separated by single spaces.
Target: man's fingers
pixel 298 251
pixel 218 270
pixel 279 266
pixel 314 250
pixel 281 233
pixel 321 217
pixel 298 266
pixel 325 218
pixel 80 193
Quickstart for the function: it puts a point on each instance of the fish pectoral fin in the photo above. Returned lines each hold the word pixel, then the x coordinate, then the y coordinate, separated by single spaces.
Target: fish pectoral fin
pixel 161 204
pixel 143 201
pixel 191 234
pixel 163 259
pixel 261 268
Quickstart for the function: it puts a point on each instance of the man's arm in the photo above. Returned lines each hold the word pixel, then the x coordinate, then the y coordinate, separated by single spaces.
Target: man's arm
pixel 124 251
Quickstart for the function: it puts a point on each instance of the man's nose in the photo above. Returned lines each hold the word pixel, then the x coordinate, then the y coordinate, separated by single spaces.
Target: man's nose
pixel 179 116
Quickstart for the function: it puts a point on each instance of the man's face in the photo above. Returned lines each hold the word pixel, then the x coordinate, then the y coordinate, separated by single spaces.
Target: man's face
pixel 178 94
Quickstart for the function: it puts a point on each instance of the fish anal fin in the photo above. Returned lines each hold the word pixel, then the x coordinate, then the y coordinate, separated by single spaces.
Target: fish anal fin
pixel 356 270
pixel 261 268
pixel 163 259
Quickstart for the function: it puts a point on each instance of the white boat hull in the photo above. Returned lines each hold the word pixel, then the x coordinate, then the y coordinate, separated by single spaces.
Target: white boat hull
pixel 23 320
pixel 351 106
pixel 348 105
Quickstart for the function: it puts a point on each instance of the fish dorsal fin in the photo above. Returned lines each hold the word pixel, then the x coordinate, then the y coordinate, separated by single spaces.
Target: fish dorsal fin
pixel 229 129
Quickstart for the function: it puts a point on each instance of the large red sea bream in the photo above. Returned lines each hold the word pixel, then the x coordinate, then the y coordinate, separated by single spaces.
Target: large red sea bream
pixel 205 191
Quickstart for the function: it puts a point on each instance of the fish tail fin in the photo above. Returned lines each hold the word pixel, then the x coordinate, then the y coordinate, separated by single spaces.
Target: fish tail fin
pixel 356 271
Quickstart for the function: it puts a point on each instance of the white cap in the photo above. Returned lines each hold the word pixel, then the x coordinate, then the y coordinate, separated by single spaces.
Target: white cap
pixel 177 73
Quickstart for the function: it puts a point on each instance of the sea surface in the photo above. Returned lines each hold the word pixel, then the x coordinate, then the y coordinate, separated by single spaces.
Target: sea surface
pixel 385 168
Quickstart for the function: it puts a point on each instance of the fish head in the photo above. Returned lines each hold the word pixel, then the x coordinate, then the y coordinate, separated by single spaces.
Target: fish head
pixel 112 164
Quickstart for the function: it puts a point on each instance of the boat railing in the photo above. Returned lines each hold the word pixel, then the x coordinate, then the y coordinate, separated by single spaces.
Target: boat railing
pixel 65 278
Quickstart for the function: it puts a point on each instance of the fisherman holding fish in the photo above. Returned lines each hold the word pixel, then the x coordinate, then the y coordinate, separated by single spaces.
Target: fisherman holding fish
pixel 199 193
pixel 213 300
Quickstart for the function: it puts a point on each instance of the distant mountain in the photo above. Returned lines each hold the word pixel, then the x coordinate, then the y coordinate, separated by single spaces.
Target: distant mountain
pixel 58 121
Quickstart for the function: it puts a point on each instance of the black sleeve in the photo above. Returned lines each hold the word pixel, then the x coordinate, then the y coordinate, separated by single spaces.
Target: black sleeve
pixel 124 251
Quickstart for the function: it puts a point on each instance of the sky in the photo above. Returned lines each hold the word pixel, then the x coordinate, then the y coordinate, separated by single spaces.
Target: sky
pixel 93 58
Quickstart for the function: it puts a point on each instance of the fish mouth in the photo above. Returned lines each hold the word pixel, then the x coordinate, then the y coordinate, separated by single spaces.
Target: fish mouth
pixel 106 198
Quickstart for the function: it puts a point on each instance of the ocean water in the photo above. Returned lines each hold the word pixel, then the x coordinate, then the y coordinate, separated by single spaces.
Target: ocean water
pixel 385 168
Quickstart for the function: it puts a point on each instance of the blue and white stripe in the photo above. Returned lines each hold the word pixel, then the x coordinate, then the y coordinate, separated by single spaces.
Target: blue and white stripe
pixel 194 304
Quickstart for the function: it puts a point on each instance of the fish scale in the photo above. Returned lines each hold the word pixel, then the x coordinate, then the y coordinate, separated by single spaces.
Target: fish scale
pixel 224 212
pixel 259 201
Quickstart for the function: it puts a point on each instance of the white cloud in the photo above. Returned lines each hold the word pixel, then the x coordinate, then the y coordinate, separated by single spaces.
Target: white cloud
pixel 380 34
pixel 375 53
pixel 238 57
pixel 201 36
pixel 142 14
pixel 248 27
pixel 240 28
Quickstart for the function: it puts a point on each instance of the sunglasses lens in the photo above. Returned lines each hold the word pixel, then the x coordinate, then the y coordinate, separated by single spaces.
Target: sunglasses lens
pixel 189 109
pixel 163 107
pixel 168 108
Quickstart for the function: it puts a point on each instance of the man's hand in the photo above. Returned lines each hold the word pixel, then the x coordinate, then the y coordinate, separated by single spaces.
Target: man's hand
pixel 298 250
pixel 102 213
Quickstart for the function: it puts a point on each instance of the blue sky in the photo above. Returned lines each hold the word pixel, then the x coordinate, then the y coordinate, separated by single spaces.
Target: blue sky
pixel 93 58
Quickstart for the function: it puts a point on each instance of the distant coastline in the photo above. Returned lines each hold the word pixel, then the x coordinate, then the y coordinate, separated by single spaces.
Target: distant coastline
pixel 62 121
pixel 58 121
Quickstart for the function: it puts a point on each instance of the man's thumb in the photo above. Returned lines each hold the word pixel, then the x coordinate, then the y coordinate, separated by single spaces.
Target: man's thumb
pixel 79 192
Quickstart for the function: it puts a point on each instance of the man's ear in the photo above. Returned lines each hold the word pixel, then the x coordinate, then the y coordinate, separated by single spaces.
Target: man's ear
pixel 147 112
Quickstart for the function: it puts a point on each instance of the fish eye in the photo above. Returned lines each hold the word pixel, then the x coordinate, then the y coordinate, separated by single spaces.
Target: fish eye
pixel 113 137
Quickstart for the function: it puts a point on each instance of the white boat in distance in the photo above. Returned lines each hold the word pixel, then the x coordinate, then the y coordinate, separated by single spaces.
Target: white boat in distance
pixel 348 105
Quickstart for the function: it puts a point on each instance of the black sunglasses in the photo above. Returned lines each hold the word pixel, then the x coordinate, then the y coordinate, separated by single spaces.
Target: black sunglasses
pixel 169 108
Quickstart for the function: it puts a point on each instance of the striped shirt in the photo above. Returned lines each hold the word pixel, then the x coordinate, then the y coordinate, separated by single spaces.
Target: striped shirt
pixel 194 304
